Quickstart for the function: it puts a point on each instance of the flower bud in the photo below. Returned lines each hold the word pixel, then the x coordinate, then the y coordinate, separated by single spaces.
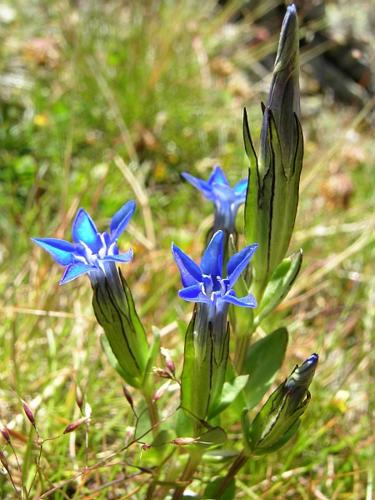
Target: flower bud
pixel 168 360
pixel 5 433
pixel 128 396
pixel 271 204
pixel 160 392
pixel 79 397
pixel 184 441
pixel 279 418
pixel 74 425
pixel 29 414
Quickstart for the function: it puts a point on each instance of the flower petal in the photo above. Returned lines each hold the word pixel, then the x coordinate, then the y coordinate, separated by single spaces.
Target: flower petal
pixel 189 270
pixel 238 262
pixel 121 257
pixel 73 271
pixel 218 177
pixel 212 260
pixel 84 229
pixel 223 194
pixel 231 298
pixel 62 251
pixel 203 186
pixel 193 294
pixel 240 188
pixel 121 219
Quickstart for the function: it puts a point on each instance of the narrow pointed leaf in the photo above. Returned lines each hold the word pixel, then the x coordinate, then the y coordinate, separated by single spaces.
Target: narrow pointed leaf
pixel 229 393
pixel 263 360
pixel 279 285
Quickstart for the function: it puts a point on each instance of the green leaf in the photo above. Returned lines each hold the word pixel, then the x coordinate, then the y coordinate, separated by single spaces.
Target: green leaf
pixel 279 285
pixel 229 393
pixel 253 184
pixel 219 455
pixel 213 437
pixel 263 360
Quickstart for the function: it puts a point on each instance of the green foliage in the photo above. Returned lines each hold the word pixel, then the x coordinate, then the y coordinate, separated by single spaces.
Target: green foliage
pixel 279 285
pixel 263 360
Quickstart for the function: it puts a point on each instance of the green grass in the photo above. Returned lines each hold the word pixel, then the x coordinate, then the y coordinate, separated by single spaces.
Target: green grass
pixel 116 103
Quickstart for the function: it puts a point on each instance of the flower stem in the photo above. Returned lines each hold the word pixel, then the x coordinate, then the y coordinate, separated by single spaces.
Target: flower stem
pixel 187 476
pixel 234 468
pixel 153 414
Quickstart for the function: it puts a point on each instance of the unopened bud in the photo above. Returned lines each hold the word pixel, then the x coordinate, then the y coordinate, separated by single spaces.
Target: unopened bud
pixel 29 414
pixel 74 425
pixel 128 396
pixel 79 397
pixel 168 360
pixel 279 418
pixel 184 441
pixel 160 392
pixel 145 446
pixel 272 200
pixel 5 433
pixel 162 373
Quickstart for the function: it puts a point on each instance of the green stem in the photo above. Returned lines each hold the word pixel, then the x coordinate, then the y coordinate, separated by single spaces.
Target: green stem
pixel 153 414
pixel 187 476
pixel 234 468
pixel 154 419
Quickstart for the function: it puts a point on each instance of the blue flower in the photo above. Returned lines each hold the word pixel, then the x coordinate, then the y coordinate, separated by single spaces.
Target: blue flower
pixel 227 200
pixel 91 250
pixel 205 283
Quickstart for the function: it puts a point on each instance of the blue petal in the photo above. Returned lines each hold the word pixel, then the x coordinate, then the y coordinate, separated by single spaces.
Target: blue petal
pixel 212 260
pixel 84 229
pixel 193 294
pixel 121 219
pixel 73 271
pixel 189 270
pixel 218 177
pixel 240 188
pixel 223 193
pixel 121 257
pixel 62 251
pixel 203 186
pixel 238 262
pixel 231 298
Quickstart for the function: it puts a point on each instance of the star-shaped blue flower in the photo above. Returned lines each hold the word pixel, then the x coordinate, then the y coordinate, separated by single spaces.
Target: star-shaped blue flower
pixel 91 250
pixel 205 283
pixel 227 200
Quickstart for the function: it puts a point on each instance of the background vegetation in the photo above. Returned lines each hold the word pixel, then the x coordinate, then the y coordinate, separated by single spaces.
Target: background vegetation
pixel 106 101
